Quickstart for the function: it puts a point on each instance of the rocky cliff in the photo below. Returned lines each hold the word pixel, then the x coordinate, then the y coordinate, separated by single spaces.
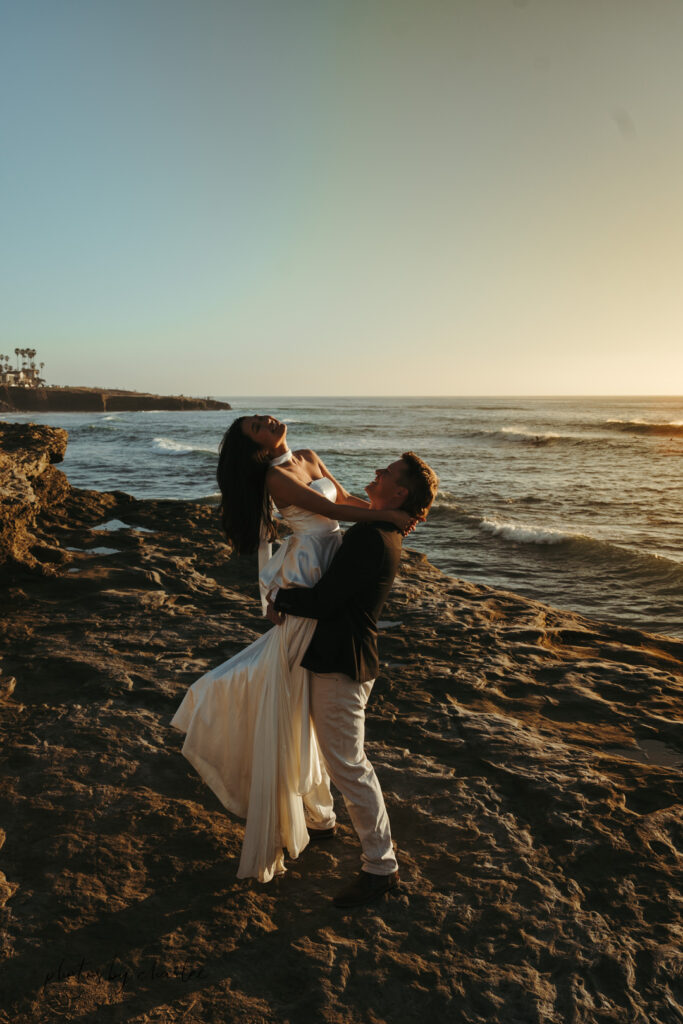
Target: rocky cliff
pixel 530 760
pixel 97 400
pixel 28 486
pixel 31 489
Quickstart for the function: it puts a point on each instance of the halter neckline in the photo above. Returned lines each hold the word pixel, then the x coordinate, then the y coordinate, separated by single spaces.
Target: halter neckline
pixel 281 459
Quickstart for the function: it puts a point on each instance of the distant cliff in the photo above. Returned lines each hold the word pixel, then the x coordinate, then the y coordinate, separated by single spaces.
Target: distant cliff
pixel 55 399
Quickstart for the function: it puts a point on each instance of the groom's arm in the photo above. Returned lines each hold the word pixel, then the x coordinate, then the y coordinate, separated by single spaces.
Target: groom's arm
pixel 355 564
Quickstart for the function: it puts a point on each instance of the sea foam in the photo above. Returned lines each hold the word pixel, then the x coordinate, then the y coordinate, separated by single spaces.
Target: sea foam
pixel 170 447
pixel 515 434
pixel 524 533
pixel 665 428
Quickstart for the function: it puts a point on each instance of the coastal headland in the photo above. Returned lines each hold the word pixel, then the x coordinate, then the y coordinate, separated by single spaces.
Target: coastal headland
pixel 531 761
pixel 57 399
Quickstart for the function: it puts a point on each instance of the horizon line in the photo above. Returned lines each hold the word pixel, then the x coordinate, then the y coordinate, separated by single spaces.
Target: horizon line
pixel 275 394
pixel 482 395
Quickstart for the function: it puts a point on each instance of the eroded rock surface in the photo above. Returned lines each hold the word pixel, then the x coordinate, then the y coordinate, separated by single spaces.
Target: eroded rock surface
pixel 530 758
pixel 28 485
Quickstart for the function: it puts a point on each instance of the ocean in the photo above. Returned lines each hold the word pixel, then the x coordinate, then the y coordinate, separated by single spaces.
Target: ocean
pixel 577 502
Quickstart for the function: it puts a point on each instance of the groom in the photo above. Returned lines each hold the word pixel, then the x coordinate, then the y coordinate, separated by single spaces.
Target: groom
pixel 342 659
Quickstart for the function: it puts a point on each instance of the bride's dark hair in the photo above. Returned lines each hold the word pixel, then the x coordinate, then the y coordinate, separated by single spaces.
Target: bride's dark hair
pixel 245 503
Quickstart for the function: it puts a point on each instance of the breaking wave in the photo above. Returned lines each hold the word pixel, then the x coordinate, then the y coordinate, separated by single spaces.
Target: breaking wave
pixel 524 534
pixel 167 446
pixel 665 428
pixel 533 438
pixel 583 548
pixel 530 437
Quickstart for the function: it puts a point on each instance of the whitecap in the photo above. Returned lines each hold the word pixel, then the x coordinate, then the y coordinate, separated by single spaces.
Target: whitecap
pixel 446 500
pixel 524 533
pixel 648 423
pixel 515 434
pixel 170 447
pixel 664 428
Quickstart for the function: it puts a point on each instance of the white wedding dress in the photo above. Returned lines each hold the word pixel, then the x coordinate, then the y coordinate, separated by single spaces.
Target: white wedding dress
pixel 247 725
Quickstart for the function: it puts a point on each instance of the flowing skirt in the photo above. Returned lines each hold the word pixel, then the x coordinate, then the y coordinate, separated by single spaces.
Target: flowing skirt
pixel 248 731
pixel 250 738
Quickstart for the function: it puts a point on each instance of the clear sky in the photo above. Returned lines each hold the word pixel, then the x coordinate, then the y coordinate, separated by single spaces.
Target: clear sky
pixel 341 197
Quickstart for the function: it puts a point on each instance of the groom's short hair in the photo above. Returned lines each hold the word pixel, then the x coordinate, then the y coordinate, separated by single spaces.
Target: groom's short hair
pixel 422 483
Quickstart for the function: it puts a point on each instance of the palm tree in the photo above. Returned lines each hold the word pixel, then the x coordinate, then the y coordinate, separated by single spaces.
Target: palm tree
pixel 16 353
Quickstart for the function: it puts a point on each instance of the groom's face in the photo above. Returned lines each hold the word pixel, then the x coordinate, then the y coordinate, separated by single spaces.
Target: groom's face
pixel 385 491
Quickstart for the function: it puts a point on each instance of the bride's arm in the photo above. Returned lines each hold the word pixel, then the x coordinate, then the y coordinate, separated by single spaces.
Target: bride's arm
pixel 285 490
pixel 343 496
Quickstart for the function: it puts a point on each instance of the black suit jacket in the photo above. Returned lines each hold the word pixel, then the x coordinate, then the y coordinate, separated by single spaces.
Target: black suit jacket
pixel 347 601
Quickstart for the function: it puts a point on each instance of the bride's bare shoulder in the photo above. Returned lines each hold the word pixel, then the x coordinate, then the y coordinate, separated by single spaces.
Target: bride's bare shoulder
pixel 307 455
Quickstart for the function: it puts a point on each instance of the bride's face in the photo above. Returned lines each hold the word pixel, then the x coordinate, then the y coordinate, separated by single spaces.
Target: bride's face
pixel 266 431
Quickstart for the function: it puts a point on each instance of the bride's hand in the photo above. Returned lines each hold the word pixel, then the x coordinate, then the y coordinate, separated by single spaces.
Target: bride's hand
pixel 403 520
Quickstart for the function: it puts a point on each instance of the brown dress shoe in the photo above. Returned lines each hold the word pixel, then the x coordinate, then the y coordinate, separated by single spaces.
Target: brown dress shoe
pixel 365 888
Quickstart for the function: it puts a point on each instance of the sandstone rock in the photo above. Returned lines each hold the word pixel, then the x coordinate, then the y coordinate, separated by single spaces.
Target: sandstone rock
pixel 8 685
pixel 29 483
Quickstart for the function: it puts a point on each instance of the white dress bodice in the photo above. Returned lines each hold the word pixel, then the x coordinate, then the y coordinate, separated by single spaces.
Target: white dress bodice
pixel 305 554
pixel 300 521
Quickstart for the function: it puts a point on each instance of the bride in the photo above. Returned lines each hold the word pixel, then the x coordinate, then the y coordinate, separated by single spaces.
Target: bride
pixel 247 727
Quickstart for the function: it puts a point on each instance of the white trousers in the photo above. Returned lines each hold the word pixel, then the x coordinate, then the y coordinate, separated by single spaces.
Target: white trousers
pixel 337 705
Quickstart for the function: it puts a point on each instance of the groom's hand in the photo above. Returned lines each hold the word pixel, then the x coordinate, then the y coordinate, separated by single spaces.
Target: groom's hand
pixel 275 617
